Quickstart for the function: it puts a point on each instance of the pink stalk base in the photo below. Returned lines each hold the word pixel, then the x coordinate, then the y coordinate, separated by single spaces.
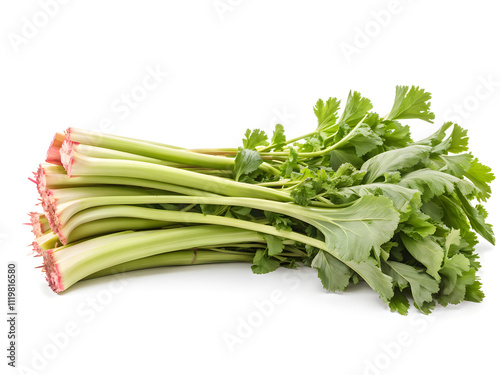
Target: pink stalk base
pixel 67 152
pixel 49 204
pixel 52 273
pixel 38 242
pixel 53 154
pixel 36 248
pixel 36 226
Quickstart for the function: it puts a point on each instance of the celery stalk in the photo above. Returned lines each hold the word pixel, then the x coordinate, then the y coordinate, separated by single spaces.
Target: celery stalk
pixel 174 216
pixel 45 242
pixel 342 227
pixel 117 224
pixel 176 258
pixel 148 149
pixel 39 224
pixel 67 265
pixel 81 165
pixel 54 177
pixel 106 153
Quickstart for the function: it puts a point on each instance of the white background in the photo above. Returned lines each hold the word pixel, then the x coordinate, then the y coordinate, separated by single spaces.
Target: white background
pixel 246 65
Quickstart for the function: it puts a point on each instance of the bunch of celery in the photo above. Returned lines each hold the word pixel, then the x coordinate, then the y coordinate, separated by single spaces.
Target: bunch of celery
pixel 357 199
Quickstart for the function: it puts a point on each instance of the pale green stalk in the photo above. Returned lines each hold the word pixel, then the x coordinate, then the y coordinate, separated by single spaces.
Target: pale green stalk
pixel 71 263
pixel 344 141
pixel 86 166
pixel 150 150
pixel 106 153
pixel 73 193
pixel 176 258
pixel 116 224
pixel 56 178
pixel 68 210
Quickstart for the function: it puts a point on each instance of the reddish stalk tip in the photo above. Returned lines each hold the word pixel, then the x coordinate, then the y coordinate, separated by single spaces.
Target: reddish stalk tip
pixel 36 226
pixel 53 275
pixel 67 154
pixel 37 249
pixel 53 153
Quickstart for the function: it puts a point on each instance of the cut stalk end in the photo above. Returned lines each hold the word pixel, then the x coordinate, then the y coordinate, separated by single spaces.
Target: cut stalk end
pixel 53 275
pixel 53 153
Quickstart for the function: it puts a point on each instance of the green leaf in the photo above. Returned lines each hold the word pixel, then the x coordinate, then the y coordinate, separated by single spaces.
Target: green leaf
pixel 427 307
pixel 454 216
pixel 339 157
pixel 459 140
pixel 435 183
pixel 254 138
pixel 477 219
pixel 242 211
pixel 246 161
pixel 279 139
pixel 213 209
pixel 435 138
pixel 394 134
pixel 452 269
pixel 355 109
pixel 399 303
pixel 348 170
pixel 392 161
pixel 374 277
pixel 418 226
pixel 392 177
pixel 426 251
pixel 308 189
pixel 422 285
pixel 363 139
pixel 291 163
pixel 385 249
pixel 458 294
pixel 452 239
pixel 169 206
pixel 432 209
pixel 405 200
pixel 351 232
pixel 473 292
pixel 411 103
pixel 481 176
pixel 274 244
pixel 278 221
pixel 455 165
pixel 334 274
pixel 326 114
pixel 313 143
pixel 262 263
